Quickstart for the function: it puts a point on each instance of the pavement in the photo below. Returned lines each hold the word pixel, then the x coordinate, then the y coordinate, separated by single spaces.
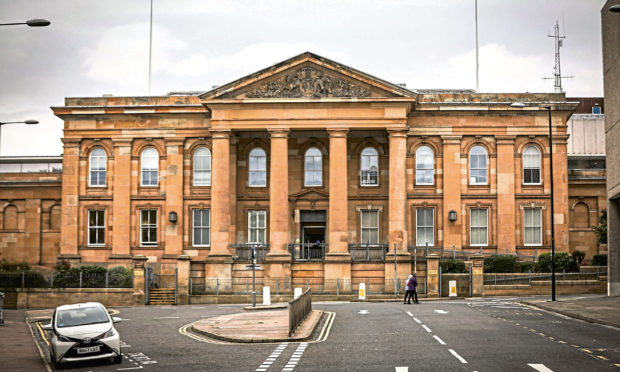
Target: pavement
pixel 18 350
pixel 599 309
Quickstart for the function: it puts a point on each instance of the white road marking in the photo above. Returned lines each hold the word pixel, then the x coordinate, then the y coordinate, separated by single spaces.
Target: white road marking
pixel 427 329
pixel 296 356
pixel 401 369
pixel 272 358
pixel 124 369
pixel 441 311
pixel 460 358
pixel 166 317
pixel 363 312
pixel 408 313
pixel 439 340
pixel 540 367
pixel 417 320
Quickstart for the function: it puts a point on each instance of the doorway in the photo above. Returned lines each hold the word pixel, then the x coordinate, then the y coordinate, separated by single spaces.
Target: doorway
pixel 312 228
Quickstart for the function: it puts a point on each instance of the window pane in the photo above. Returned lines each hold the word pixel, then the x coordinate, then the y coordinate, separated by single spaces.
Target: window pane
pixel 261 219
pixel 197 237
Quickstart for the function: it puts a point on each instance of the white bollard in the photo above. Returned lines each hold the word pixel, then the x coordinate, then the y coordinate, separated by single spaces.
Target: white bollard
pixel 297 292
pixel 362 294
pixel 266 296
pixel 452 288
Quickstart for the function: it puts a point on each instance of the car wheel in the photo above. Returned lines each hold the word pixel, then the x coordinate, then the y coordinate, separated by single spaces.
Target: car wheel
pixel 55 364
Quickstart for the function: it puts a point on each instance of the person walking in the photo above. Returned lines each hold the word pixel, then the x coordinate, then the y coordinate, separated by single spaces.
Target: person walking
pixel 413 288
pixel 408 293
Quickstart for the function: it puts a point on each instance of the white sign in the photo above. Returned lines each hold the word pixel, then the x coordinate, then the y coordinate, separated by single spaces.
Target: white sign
pixel 250 267
pixel 362 293
pixel 452 288
pixel 297 292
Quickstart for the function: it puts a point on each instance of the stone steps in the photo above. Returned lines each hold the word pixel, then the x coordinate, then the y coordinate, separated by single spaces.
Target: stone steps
pixel 161 296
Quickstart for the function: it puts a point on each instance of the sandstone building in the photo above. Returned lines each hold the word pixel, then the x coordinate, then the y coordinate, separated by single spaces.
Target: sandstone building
pixel 329 171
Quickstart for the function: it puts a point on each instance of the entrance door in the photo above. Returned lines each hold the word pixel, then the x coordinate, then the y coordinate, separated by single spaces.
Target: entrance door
pixel 312 228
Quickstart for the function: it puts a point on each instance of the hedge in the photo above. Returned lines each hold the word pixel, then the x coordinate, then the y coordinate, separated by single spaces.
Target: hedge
pixel 452 266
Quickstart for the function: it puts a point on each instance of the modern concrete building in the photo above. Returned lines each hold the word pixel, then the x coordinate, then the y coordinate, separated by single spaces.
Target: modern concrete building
pixel 610 22
pixel 330 172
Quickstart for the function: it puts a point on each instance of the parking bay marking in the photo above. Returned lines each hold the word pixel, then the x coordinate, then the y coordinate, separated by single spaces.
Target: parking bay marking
pixel 539 367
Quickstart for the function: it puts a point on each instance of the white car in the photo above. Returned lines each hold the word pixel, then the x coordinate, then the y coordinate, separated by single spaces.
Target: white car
pixel 83 332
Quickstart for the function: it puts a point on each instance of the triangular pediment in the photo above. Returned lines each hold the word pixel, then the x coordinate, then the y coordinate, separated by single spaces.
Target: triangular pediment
pixel 308 76
pixel 310 195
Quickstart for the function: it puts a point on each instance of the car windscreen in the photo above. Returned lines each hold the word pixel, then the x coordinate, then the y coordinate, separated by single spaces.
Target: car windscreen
pixel 81 316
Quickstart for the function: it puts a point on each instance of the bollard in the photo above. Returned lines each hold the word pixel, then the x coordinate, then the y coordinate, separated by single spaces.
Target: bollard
pixel 1 305
pixel 337 287
pixel 452 285
pixel 297 292
pixel 277 287
pixel 266 296
pixel 362 291
pixel 106 279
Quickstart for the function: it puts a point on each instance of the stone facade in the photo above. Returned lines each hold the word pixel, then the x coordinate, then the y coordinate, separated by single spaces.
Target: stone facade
pixel 330 172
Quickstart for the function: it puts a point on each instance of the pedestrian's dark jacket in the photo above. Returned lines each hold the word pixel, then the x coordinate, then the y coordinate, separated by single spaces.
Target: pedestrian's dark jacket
pixel 413 283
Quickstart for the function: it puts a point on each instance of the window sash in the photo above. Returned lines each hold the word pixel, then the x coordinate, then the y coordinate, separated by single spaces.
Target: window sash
pixel 478 169
pixel 479 233
pixel 201 227
pixel 148 227
pixel 424 172
pixel 257 228
pixel 369 227
pixel 313 171
pixel 97 170
pixel 96 227
pixel 202 169
pixel 532 226
pixel 149 167
pixel 425 226
pixel 531 168
pixel 369 170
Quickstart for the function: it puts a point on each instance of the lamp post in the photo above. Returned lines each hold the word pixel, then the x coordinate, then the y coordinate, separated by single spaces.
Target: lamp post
pixel 30 23
pixel 29 122
pixel 550 134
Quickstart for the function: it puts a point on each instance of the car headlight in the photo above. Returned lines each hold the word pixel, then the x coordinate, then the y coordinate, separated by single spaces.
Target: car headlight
pixel 62 338
pixel 109 333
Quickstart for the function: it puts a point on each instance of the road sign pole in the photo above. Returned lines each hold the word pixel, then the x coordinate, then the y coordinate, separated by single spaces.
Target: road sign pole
pixel 254 276
pixel 395 272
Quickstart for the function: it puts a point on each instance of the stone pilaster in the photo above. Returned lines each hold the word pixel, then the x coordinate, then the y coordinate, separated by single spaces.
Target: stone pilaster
pixel 506 208
pixel 183 274
pixel 278 260
pixel 432 276
pixel 32 238
pixel 121 203
pixel 452 191
pixel 139 280
pixel 477 275
pixel 70 200
pixel 173 231
pixel 560 192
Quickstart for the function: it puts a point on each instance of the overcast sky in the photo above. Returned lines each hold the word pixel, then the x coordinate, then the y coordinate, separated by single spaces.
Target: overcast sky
pixel 98 47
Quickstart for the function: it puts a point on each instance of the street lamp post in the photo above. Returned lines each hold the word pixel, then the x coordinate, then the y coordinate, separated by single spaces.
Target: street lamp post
pixel 550 134
pixel 29 122
pixel 30 23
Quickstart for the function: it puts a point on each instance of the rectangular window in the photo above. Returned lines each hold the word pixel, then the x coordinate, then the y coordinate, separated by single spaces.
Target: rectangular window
pixel 202 227
pixel 532 234
pixel 425 226
pixel 257 226
pixel 148 227
pixel 370 227
pixel 96 228
pixel 479 226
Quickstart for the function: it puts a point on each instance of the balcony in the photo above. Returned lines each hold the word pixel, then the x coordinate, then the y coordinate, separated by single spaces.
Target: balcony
pixel 368 252
pixel 307 251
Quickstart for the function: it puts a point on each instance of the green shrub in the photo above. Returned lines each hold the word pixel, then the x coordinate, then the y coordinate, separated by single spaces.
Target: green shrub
pixel 562 262
pixel 119 277
pixel 501 264
pixel 8 266
pixel 527 267
pixel 451 266
pixel 13 279
pixel 599 260
pixel 578 256
pixel 601 229
pixel 92 277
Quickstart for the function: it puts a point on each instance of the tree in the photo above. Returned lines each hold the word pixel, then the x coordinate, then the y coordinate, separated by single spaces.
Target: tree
pixel 601 229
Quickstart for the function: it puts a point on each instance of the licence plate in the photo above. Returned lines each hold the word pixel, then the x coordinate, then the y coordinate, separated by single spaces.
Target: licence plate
pixel 86 350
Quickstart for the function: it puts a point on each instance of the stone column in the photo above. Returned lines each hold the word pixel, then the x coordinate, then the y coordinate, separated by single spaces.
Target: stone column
pixel 121 203
pixel 506 209
pixel 560 192
pixel 432 276
pixel 278 260
pixel 183 274
pixel 70 200
pixel 477 276
pixel 32 237
pixel 219 260
pixel 173 232
pixel 338 258
pixel 452 191
pixel 397 261
pixel 139 279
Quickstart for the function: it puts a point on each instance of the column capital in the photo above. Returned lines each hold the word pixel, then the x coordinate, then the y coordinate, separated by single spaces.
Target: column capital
pixel 220 133
pixel 451 140
pixel 337 133
pixel 279 133
pixel 397 133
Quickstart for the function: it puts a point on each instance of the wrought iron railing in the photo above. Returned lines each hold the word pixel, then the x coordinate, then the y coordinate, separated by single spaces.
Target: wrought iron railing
pixel 368 252
pixel 243 251
pixel 307 251
pixel 298 310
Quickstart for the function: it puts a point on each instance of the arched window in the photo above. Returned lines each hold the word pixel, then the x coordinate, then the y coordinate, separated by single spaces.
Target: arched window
pixel 149 162
pixel 581 214
pixel 369 175
pixel 258 168
pixel 478 166
pixel 313 167
pixel 10 218
pixel 97 174
pixel 531 165
pixel 424 166
pixel 202 167
pixel 55 217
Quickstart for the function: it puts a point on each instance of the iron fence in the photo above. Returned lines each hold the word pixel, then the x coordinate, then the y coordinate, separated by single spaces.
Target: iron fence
pixel 298 310
pixel 243 251
pixel 35 279
pixel 419 253
pixel 527 278
pixel 368 252
pixel 307 251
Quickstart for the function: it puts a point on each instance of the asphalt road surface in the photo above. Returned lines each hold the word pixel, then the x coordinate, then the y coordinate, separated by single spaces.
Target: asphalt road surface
pixel 477 335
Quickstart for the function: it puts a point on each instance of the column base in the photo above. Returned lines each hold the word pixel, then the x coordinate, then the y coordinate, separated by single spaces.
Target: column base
pixel 335 257
pixel 339 269
pixel 403 270
pixel 218 272
pixel 278 257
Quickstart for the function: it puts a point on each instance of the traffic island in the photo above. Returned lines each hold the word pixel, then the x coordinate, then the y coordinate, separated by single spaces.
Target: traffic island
pixel 257 327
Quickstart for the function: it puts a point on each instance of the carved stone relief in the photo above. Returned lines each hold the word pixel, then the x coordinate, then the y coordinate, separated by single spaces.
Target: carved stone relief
pixel 308 82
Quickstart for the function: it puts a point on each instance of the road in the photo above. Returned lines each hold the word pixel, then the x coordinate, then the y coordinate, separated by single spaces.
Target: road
pixel 465 335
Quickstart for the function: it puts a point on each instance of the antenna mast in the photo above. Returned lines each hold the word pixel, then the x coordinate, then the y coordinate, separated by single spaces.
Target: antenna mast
pixel 557 74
